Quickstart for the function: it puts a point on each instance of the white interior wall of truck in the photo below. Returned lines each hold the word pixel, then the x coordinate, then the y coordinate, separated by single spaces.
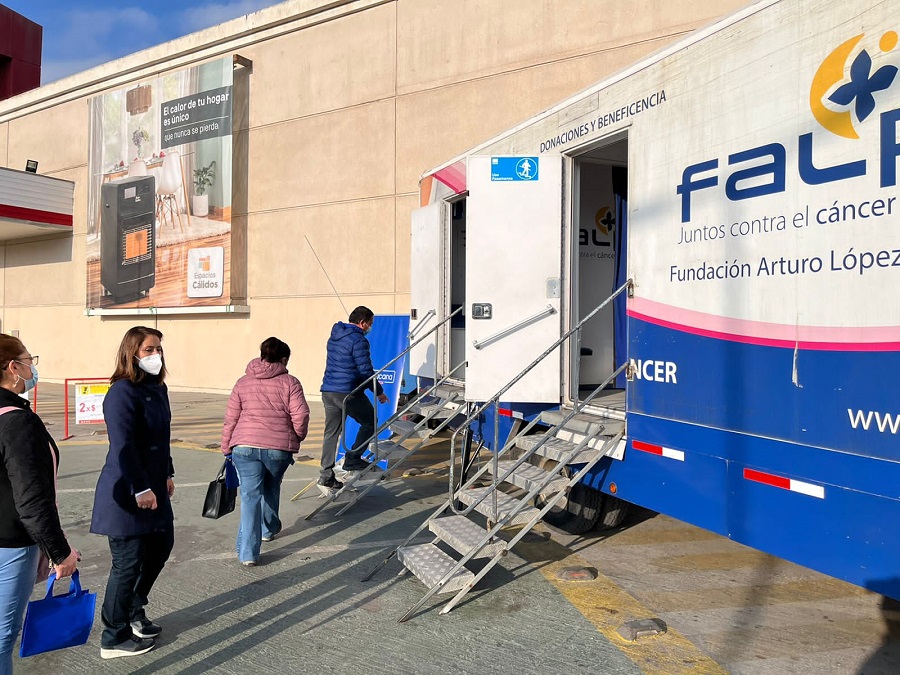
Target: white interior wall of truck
pixel 593 256
pixel 596 214
pixel 457 288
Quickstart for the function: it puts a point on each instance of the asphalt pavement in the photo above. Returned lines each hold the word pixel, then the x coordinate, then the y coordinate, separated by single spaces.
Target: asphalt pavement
pixel 305 608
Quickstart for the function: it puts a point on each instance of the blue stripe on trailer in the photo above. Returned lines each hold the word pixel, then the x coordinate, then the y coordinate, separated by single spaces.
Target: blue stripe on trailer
pixel 812 397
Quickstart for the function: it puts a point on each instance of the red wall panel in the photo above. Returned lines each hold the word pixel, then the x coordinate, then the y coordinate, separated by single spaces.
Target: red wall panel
pixel 20 53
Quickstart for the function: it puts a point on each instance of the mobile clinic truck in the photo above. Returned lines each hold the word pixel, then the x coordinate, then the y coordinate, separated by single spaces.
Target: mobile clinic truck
pixel 742 186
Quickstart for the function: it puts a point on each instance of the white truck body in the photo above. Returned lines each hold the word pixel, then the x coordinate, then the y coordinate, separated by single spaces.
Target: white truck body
pixel 761 229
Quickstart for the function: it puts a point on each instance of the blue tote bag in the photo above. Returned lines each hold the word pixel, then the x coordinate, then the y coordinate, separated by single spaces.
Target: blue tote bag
pixel 58 621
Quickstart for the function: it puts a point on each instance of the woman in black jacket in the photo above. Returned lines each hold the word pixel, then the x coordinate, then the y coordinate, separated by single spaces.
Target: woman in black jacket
pixel 28 516
pixel 132 501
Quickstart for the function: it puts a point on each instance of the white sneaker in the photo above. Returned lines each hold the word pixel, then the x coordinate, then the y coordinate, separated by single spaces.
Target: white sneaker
pixel 330 488
pixel 131 647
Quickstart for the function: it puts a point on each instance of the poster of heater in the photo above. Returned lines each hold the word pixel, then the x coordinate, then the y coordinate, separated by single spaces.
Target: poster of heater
pixel 159 221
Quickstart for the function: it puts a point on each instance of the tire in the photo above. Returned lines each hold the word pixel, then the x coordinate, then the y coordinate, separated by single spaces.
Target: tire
pixel 613 512
pixel 578 512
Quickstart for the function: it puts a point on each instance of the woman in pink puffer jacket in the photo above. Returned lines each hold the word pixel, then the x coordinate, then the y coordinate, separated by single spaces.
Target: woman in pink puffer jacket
pixel 266 419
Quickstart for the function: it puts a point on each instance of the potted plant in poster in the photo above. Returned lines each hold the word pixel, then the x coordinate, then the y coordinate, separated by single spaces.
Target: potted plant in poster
pixel 138 138
pixel 203 179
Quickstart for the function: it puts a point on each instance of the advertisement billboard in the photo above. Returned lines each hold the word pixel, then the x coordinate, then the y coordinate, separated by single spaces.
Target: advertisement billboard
pixel 159 220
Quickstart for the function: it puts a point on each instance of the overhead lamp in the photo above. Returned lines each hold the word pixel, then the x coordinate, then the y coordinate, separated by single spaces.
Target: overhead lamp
pixel 138 100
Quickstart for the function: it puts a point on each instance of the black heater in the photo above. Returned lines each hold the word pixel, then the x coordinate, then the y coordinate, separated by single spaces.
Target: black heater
pixel 128 238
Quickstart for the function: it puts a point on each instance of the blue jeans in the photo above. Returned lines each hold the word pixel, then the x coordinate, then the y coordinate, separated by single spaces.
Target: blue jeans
pixel 260 471
pixel 18 568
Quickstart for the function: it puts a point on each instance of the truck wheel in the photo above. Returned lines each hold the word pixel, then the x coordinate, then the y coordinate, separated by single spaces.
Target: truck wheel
pixel 613 512
pixel 576 513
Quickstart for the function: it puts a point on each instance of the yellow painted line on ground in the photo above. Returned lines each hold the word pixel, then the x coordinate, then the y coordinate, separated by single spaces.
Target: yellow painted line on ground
pixel 676 535
pixel 607 606
pixel 756 595
pixel 723 560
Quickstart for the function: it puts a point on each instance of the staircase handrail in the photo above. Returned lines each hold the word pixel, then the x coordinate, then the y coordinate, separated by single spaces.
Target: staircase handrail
pixel 500 523
pixel 628 285
pixel 422 323
pixel 448 504
pixel 373 377
pixel 546 436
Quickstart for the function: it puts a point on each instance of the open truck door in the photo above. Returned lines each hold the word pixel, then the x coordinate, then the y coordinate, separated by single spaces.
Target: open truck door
pixel 513 270
pixel 425 290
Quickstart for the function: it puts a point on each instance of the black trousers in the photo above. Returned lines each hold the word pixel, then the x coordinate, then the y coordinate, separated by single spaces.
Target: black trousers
pixel 360 408
pixel 136 563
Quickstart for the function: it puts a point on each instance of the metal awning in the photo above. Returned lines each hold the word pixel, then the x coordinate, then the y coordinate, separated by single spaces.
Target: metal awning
pixel 32 205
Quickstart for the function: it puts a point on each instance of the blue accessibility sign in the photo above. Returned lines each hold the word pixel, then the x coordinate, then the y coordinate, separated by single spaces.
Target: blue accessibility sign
pixel 514 168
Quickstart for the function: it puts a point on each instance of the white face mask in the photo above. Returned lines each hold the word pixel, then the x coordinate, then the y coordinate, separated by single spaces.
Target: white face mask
pixel 151 364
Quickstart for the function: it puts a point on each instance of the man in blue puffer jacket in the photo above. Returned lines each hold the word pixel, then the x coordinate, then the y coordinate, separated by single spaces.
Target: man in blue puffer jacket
pixel 348 365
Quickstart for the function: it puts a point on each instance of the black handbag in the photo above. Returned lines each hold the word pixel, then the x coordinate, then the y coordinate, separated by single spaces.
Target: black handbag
pixel 219 497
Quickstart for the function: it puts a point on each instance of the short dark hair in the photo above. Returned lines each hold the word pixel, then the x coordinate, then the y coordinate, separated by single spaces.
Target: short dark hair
pixel 361 314
pixel 127 356
pixel 274 350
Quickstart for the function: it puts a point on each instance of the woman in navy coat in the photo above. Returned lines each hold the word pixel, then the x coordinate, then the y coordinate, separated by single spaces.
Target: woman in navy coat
pixel 132 502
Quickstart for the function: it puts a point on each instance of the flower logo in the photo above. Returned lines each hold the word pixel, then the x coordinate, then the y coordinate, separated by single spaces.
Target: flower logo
pixel 858 94
pixel 862 86
pixel 605 220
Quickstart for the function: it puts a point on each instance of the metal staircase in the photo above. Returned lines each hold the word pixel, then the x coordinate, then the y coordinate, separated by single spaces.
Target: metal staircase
pixel 444 404
pixel 515 484
pixel 438 406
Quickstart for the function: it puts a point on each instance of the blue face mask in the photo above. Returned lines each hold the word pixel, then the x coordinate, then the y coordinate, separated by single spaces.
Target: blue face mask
pixel 31 382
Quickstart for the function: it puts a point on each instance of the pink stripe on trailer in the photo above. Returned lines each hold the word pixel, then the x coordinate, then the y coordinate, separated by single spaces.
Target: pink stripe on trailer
pixel 453 176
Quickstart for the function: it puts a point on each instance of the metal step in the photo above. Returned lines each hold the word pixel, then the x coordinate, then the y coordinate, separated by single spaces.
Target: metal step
pixel 596 442
pixel 583 423
pixel 558 449
pixel 464 535
pixel 403 427
pixel 429 564
pixel 389 450
pixel 505 504
pixel 449 391
pixel 436 411
pixel 527 476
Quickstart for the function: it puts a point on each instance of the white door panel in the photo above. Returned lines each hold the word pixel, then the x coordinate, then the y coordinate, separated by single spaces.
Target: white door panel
pixel 513 263
pixel 425 285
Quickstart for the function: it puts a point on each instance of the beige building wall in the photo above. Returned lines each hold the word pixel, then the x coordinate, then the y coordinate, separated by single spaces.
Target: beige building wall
pixel 349 104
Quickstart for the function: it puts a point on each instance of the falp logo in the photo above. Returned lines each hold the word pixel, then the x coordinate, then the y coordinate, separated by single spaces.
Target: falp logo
pixel 840 95
pixel 602 232
pixel 853 82
pixel 605 220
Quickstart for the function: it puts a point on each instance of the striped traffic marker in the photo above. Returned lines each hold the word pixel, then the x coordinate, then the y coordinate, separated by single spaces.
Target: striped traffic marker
pixel 785 483
pixel 658 450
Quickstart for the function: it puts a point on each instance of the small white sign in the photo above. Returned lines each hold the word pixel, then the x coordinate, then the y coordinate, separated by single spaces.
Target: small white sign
pixel 89 403
pixel 206 272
